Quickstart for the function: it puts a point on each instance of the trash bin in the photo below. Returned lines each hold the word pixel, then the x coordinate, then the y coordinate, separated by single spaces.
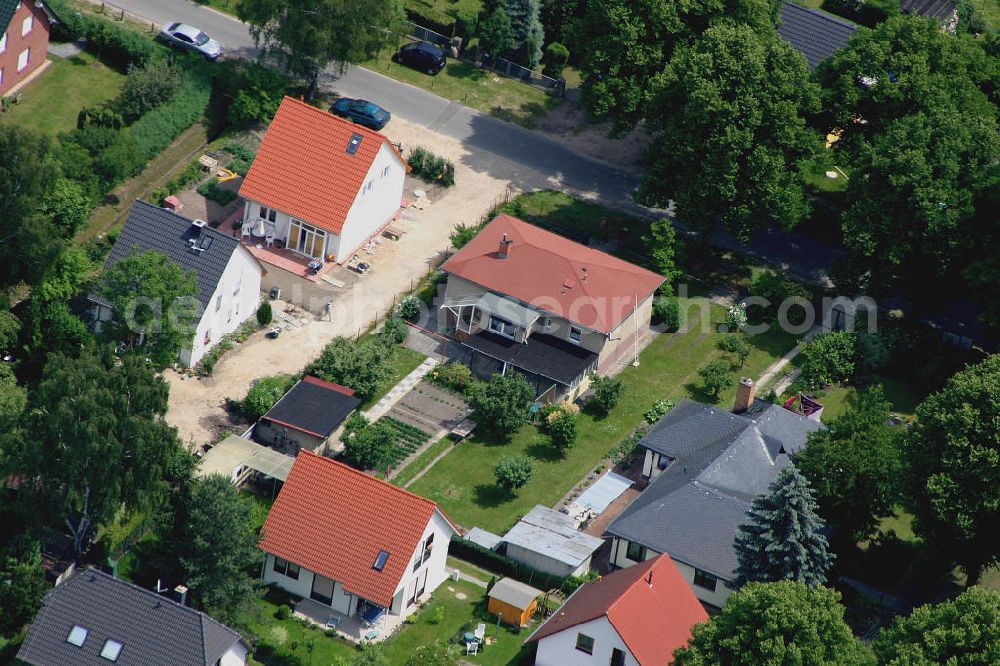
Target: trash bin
pixel 275 293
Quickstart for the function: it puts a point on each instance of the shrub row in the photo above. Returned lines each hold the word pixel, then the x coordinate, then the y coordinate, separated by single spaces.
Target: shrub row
pixel 157 129
pixel 495 562
pixel 190 174
pixel 114 43
pixel 211 190
pixel 428 166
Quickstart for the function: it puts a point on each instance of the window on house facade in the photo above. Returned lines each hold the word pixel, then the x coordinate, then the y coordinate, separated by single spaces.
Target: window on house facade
pixel 268 214
pixel 229 316
pixel 1 76
pixel 585 643
pixel 427 546
pixel 575 334
pixel 635 552
pixel 22 60
pixel 239 285
pixel 285 568
pixel 3 42
pixel 617 657
pixel 27 24
pixel 385 172
pixel 218 303
pixel 705 580
pixel 208 336
pixel 502 326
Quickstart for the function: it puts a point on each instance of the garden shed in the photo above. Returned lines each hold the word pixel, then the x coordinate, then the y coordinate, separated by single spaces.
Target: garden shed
pixel 513 601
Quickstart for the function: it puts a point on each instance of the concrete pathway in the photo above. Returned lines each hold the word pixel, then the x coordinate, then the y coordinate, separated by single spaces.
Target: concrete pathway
pixel 405 385
pixel 776 368
pixel 67 50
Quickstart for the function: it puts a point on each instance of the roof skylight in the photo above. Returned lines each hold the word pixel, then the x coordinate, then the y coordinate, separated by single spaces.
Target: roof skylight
pixel 111 650
pixel 77 635
pixel 380 560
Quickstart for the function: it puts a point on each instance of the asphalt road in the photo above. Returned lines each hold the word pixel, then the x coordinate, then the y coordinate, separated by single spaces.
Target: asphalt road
pixel 487 138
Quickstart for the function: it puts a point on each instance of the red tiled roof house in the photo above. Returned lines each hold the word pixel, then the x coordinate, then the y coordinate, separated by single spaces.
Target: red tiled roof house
pixel 321 185
pixel 353 547
pixel 24 40
pixel 631 617
pixel 524 298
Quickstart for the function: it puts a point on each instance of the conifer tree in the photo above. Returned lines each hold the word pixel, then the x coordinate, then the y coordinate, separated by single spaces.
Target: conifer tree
pixel 782 539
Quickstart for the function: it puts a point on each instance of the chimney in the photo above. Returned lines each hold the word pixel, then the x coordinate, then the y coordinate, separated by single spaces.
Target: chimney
pixel 504 248
pixel 744 395
pixel 649 579
pixel 182 594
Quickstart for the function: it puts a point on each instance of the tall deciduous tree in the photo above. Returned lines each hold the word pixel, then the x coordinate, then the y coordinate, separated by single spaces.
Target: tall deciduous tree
pixel 920 136
pixel 98 444
pixel 776 624
pixel 502 402
pixel 218 549
pixel 308 35
pixel 362 367
pixel 782 540
pixel 22 586
pixel 662 244
pixel 627 43
pixel 951 463
pixel 153 301
pixel 28 241
pixel 853 465
pixel 964 630
pixel 729 115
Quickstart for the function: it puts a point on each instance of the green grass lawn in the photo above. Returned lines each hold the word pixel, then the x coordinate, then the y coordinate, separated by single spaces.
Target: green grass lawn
pixel 52 101
pixel 421 461
pixel 464 607
pixel 463 483
pixel 404 362
pixel 900 395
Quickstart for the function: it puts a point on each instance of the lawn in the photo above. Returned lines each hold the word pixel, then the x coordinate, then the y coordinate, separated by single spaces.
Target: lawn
pixel 421 461
pixel 51 102
pixel 463 483
pixel 463 605
pixel 900 395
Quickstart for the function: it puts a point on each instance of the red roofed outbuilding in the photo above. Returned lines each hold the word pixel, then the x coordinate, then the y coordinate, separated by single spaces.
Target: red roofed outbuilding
pixel 354 544
pixel 321 185
pixel 635 616
pixel 525 298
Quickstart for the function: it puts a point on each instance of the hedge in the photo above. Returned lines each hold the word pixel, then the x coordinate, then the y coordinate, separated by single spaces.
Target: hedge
pixel 117 45
pixel 157 129
pixel 428 166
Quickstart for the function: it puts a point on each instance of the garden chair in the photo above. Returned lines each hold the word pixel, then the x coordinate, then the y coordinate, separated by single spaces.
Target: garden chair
pixel 472 647
pixel 269 240
pixel 333 622
pixel 244 231
pixel 480 632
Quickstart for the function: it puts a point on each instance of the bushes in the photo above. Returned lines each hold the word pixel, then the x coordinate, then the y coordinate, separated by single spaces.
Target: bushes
pixel 561 424
pixel 512 472
pixel 777 289
pixel 556 57
pixel 211 190
pixel 117 45
pixel 242 157
pixel 463 233
pixel 428 166
pixel 657 411
pixel 454 376
pixel 264 314
pixel 667 310
pixel 829 358
pixel 191 173
pixel 146 88
pixel 607 392
pixel 502 403
pixel 256 92
pixel 264 394
pixel 158 128
pixel 408 308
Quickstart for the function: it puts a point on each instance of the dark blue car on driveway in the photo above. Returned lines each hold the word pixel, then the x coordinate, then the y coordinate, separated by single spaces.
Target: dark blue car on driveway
pixel 361 112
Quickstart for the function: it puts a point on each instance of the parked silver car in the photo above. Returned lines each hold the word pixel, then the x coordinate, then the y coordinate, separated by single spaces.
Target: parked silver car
pixel 191 38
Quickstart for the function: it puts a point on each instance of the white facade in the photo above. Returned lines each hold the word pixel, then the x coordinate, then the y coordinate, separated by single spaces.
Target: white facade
pixel 709 589
pixel 375 205
pixel 426 569
pixel 560 649
pixel 546 564
pixel 235 300
pixel 235 656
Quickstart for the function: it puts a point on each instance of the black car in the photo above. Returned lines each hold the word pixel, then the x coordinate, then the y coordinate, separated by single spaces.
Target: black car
pixel 362 112
pixel 423 56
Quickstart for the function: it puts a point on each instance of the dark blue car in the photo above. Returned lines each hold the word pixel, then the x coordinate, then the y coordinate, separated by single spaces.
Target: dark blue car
pixel 361 112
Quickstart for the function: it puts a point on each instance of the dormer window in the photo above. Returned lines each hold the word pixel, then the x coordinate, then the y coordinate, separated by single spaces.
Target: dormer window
pixel 77 635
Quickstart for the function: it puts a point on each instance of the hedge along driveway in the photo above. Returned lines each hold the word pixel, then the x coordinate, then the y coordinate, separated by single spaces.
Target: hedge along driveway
pixel 463 483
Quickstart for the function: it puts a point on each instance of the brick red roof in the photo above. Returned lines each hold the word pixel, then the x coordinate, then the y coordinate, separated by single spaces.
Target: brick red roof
pixel 653 619
pixel 333 520
pixel 303 168
pixel 552 273
pixel 339 388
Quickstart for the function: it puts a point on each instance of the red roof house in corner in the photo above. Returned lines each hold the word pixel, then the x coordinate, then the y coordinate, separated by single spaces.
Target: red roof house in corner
pixel 320 184
pixel 353 545
pixel 24 41
pixel 638 615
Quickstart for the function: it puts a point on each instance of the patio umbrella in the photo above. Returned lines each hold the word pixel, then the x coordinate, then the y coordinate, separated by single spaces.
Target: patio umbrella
pixel 258 229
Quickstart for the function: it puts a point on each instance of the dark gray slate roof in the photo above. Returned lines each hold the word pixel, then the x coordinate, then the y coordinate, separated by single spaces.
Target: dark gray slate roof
pixel 813 33
pixel 314 406
pixel 942 9
pixel 152 629
pixel 720 462
pixel 544 355
pixel 152 228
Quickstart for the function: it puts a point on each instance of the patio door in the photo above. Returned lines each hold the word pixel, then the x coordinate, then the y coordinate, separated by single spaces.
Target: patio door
pixel 419 585
pixel 322 590
pixel 306 240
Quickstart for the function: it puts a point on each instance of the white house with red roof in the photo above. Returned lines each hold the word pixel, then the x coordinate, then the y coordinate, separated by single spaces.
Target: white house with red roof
pixel 631 617
pixel 320 185
pixel 524 298
pixel 354 548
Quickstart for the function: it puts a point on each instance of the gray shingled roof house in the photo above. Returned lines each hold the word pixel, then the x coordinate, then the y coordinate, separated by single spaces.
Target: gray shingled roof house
pixel 227 273
pixel 95 619
pixel 708 465
pixel 814 33
pixel 939 9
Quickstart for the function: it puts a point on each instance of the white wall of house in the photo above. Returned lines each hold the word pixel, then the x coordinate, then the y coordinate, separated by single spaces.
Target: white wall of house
pixel 560 649
pixel 374 206
pixel 234 301
pixel 432 571
pixel 235 656
pixel 544 563
pixel 300 587
pixel 717 597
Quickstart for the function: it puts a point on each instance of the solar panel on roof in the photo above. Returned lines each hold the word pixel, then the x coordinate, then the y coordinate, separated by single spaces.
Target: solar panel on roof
pixel 354 144
pixel 380 560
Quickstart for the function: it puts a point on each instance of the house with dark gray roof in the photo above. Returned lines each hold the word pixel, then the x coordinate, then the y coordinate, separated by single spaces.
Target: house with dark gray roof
pixel 815 34
pixel 706 466
pixel 309 416
pixel 227 273
pixel 945 11
pixel 94 619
